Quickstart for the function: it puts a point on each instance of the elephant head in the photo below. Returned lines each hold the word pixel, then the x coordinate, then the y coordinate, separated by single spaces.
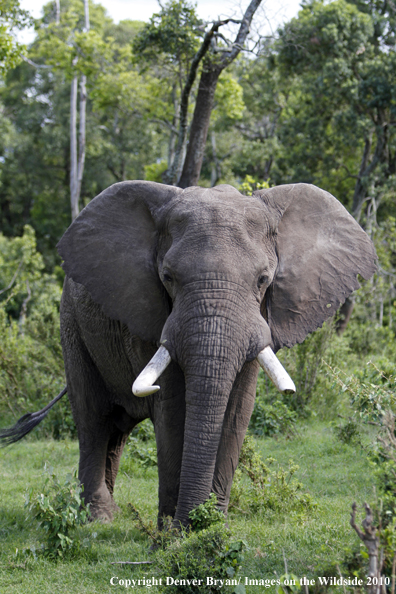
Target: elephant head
pixel 214 278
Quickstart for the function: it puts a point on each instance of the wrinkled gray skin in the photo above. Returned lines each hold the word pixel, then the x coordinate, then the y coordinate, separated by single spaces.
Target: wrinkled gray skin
pixel 215 277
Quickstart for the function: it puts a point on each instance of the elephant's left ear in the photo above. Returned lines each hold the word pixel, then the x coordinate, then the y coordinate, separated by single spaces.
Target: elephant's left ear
pixel 321 249
pixel 111 249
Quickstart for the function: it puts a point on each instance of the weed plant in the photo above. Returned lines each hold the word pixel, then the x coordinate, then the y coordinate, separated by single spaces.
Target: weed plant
pixel 206 514
pixel 59 510
pixel 268 486
pixel 191 556
pixel 271 419
pixel 208 553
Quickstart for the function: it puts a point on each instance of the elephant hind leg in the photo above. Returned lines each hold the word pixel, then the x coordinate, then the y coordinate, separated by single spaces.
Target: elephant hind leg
pixel 92 471
pixel 99 466
pixel 114 451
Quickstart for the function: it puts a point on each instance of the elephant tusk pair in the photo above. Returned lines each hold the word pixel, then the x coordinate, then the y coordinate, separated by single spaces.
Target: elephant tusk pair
pixel 144 383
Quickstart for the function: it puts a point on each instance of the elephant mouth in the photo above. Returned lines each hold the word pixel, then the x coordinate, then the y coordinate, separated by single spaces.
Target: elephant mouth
pixel 144 385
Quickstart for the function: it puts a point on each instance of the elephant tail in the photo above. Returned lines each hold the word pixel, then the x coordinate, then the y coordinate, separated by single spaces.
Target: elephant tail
pixel 25 424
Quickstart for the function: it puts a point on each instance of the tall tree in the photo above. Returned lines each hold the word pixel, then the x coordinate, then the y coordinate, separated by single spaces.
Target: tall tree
pixel 343 53
pixel 214 63
pixel 176 32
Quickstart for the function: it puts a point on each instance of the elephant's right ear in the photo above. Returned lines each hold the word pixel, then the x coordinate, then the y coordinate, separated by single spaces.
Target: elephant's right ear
pixel 111 249
pixel 321 249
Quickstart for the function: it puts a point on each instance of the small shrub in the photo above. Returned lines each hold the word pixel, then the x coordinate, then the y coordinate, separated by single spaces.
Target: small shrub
pixel 141 447
pixel 272 419
pixel 251 184
pixel 207 514
pixel 373 399
pixel 349 432
pixel 209 552
pixel 154 171
pixel 304 363
pixel 59 510
pixel 266 487
pixel 203 516
pixel 204 549
pixel 31 363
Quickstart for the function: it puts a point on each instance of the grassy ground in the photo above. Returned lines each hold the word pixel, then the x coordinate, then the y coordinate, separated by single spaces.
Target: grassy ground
pixel 335 474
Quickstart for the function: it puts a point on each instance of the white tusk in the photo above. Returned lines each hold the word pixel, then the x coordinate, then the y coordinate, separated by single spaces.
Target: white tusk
pixel 143 384
pixel 275 371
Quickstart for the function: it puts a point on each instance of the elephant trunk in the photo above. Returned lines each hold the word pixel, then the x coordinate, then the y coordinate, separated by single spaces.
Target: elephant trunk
pixel 210 337
pixel 209 377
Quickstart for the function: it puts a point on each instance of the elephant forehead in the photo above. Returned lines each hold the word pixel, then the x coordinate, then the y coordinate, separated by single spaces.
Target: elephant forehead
pixel 220 207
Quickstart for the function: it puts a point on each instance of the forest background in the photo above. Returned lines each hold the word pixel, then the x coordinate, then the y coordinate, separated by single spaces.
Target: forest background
pixel 315 102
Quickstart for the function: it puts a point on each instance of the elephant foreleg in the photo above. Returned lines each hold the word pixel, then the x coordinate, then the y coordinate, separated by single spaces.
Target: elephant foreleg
pixel 236 421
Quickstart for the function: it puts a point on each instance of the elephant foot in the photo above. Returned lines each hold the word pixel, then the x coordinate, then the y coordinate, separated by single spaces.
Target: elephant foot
pixel 101 514
pixel 102 506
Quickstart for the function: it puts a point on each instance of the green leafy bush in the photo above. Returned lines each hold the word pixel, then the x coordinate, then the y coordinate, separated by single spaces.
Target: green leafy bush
pixel 259 485
pixel 191 554
pixel 272 419
pixel 59 510
pixel 372 396
pixel 209 552
pixel 348 432
pixel 141 448
pixel 273 413
pixel 206 514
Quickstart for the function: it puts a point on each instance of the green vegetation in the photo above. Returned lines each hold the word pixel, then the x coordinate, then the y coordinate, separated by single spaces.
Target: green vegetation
pixel 59 509
pixel 206 514
pixel 267 488
pixel 332 473
pixel 12 17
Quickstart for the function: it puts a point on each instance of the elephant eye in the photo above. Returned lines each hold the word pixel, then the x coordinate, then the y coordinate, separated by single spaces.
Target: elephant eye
pixel 167 277
pixel 262 280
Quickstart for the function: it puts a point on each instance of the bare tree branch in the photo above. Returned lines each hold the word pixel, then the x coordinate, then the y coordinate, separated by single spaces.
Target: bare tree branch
pixel 13 279
pixel 368 536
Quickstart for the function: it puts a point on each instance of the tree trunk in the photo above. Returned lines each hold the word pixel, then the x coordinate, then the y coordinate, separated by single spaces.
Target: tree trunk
pixel 86 14
pixel 57 11
pixel 73 150
pixel 216 172
pixel 205 100
pixel 172 137
pixel 199 128
pixel 77 167
pixel 345 313
pixel 173 173
pixel 367 167
pixel 81 140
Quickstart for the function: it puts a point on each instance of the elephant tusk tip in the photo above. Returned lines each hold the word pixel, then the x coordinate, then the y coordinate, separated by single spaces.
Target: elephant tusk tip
pixel 143 391
pixel 289 391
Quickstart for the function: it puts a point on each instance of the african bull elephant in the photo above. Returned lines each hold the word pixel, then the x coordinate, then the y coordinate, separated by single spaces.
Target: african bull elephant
pixel 194 287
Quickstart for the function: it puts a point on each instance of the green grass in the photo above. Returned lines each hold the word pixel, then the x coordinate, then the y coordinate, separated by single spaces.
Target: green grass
pixel 335 474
